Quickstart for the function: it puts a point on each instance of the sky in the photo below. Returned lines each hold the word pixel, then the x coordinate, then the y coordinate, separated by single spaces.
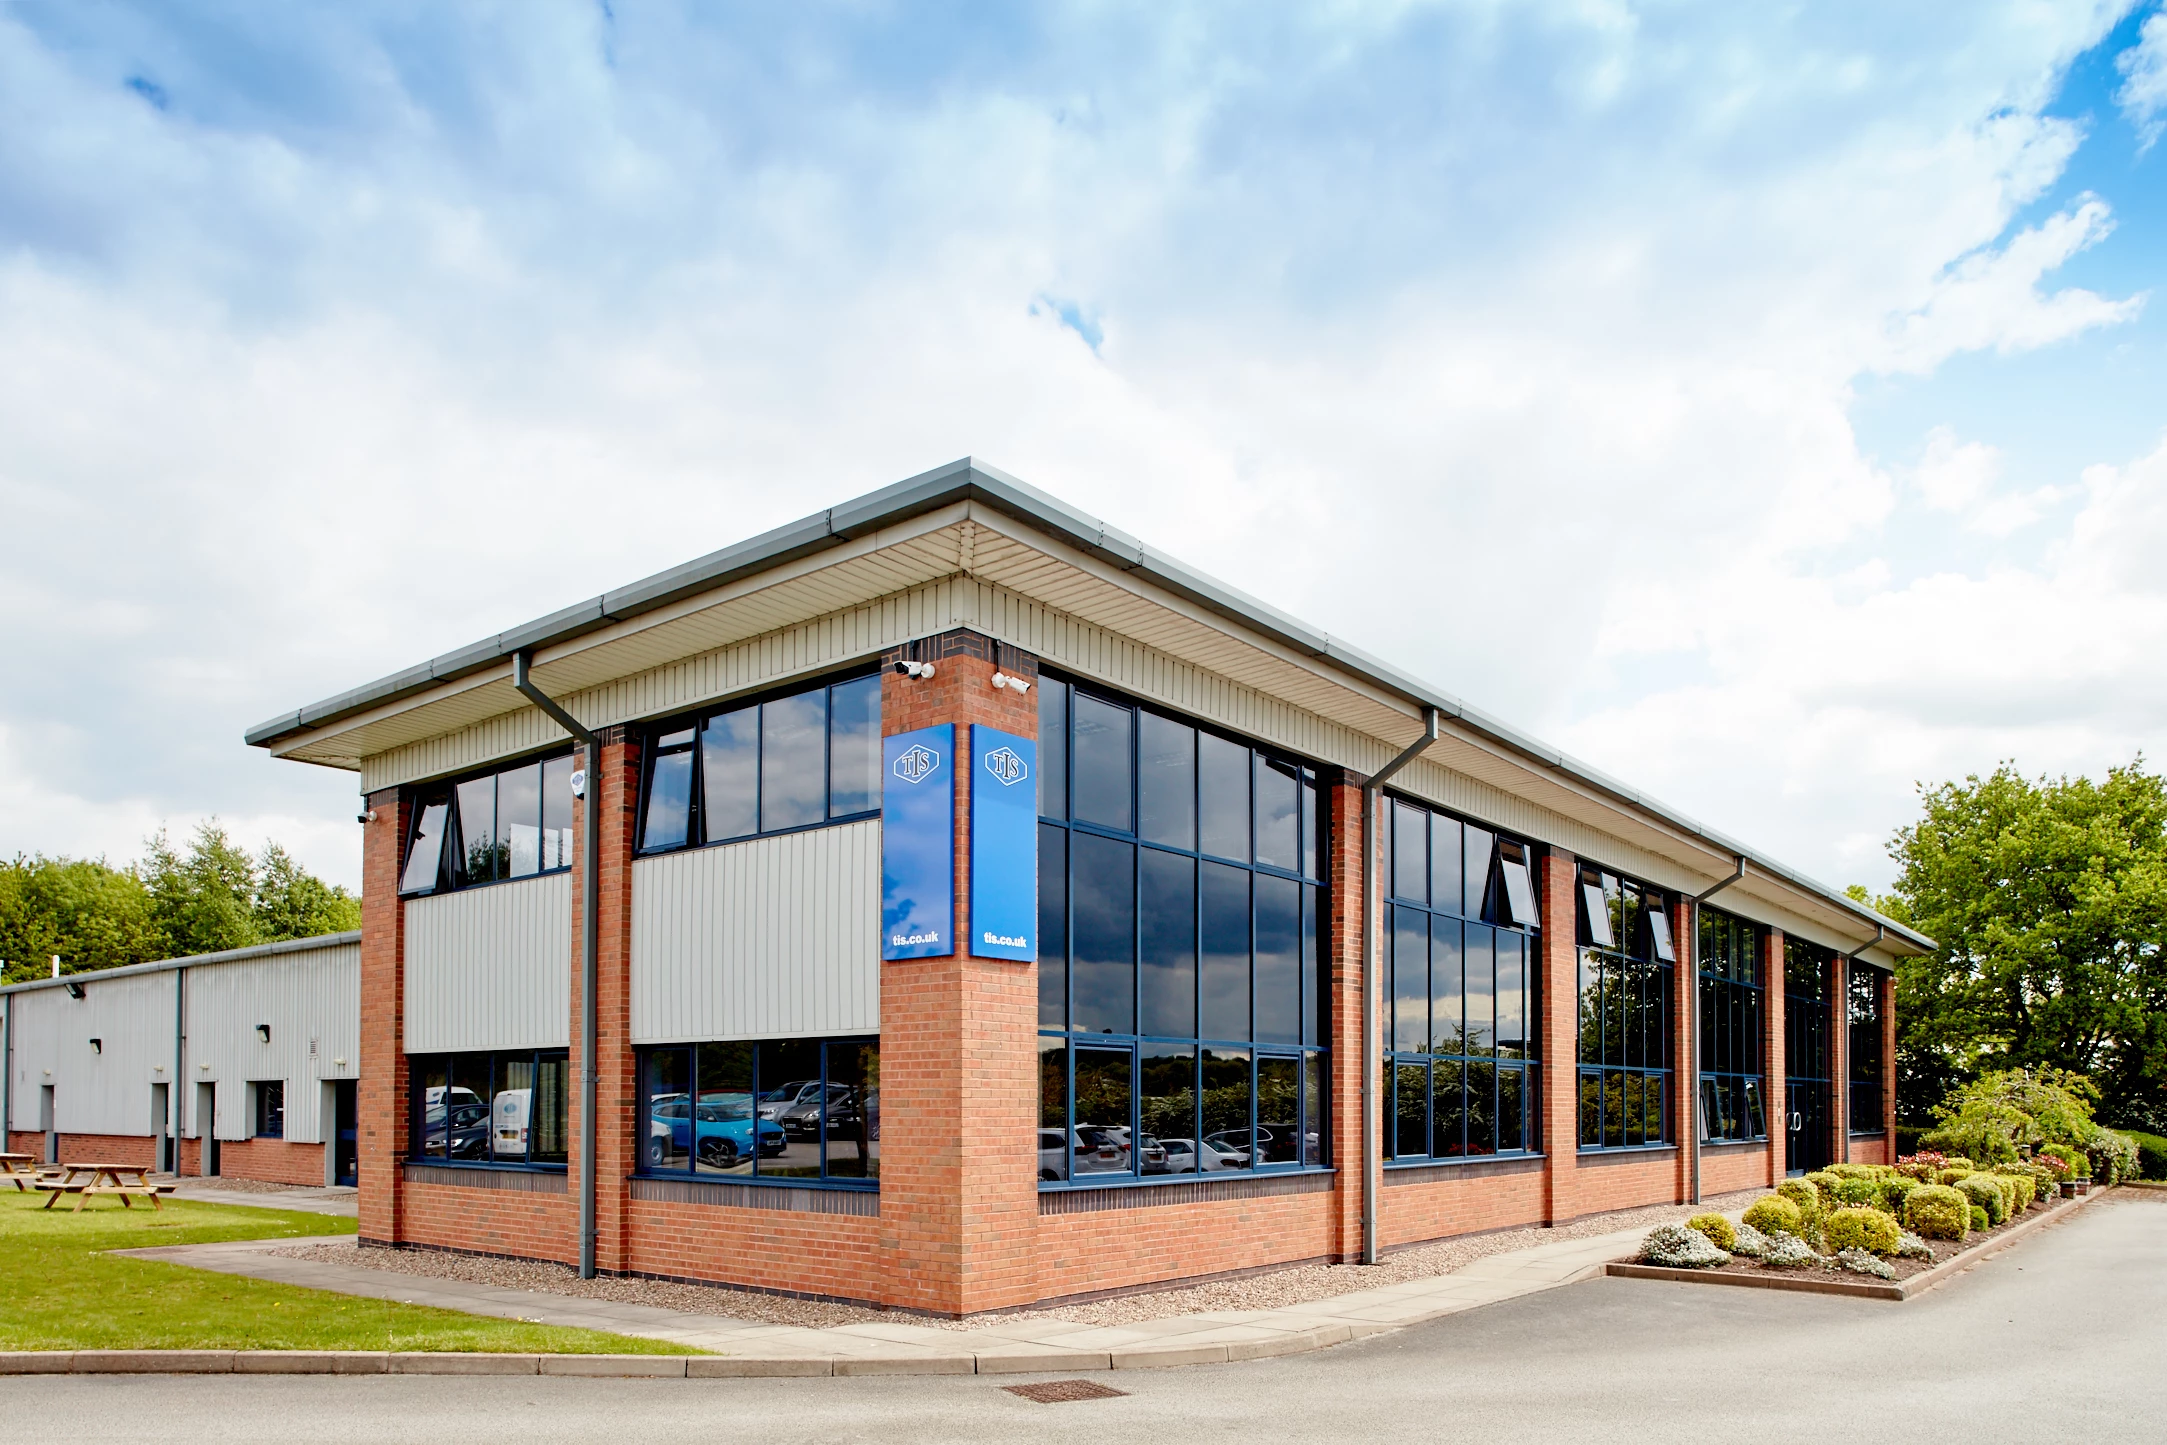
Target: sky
pixel 1766 404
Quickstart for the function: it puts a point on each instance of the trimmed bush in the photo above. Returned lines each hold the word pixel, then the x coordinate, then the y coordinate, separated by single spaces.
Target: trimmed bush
pixel 1937 1211
pixel 1951 1175
pixel 1855 1190
pixel 1828 1184
pixel 1859 1261
pixel 1860 1227
pixel 2022 1183
pixel 1894 1190
pixel 1984 1190
pixel 1716 1227
pixel 1750 1242
pixel 1773 1214
pixel 1980 1220
pixel 2151 1154
pixel 1857 1171
pixel 1802 1193
pixel 1677 1247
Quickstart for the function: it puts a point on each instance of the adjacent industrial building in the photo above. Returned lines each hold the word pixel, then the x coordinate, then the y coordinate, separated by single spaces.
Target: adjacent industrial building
pixel 242 1064
pixel 951 903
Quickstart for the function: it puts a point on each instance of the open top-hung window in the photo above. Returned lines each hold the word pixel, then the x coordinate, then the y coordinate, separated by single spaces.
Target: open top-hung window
pixel 513 822
pixel 1627 958
pixel 805 758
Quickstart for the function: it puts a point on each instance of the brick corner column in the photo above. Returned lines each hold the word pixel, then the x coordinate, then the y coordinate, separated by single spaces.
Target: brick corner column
pixel 959 1036
pixel 617 793
pixel 1773 1066
pixel 1559 997
pixel 1344 941
pixel 380 1097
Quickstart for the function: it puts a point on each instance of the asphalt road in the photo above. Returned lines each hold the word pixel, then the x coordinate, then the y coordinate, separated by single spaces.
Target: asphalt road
pixel 2061 1338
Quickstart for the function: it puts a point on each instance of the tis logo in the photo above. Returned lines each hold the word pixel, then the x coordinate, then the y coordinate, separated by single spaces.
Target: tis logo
pixel 1007 767
pixel 916 762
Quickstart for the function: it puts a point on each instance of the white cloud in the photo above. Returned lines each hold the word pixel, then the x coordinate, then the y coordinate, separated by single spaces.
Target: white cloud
pixel 2143 96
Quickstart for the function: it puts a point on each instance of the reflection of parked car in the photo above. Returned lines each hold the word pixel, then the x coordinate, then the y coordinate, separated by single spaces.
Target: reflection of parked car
pixel 801 1116
pixel 1053 1147
pixel 719 1131
pixel 454 1123
pixel 1182 1157
pixel 1101 1150
pixel 1151 1155
pixel 776 1100
pixel 1234 1146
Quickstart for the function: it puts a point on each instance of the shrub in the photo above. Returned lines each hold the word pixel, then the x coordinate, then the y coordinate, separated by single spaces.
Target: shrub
pixel 1857 1190
pixel 1858 1261
pixel 1788 1251
pixel 2075 1163
pixel 1861 1228
pixel 1910 1246
pixel 1937 1211
pixel 1716 1227
pixel 2113 1155
pixel 1950 1176
pixel 1894 1190
pixel 1802 1193
pixel 1979 1220
pixel 1750 1242
pixel 2151 1154
pixel 1984 1191
pixel 1857 1171
pixel 2026 1188
pixel 1828 1184
pixel 1678 1247
pixel 1773 1214
pixel 1925 1168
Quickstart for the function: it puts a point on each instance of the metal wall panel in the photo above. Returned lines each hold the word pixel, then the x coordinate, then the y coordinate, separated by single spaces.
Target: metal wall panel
pixel 104 1091
pixel 491 967
pixel 772 938
pixel 312 1004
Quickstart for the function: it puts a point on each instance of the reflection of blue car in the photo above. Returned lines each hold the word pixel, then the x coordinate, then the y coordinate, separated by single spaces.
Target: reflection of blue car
pixel 724 1126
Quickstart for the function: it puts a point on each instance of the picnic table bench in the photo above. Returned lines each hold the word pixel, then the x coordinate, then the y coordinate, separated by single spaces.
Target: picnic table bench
pixel 23 1169
pixel 126 1181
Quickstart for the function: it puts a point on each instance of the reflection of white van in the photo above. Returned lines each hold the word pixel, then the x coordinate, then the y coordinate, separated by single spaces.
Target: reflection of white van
pixel 508 1120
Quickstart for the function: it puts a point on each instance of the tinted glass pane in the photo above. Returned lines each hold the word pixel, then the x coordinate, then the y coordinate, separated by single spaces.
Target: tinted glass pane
pixel 1410 853
pixel 1166 1110
pixel 788 1077
pixel 793 761
pixel 730 774
pixel 1052 748
pixel 1313 1023
pixel 1222 786
pixel 1411 1111
pixel 669 801
pixel 853 1122
pixel 1445 863
pixel 1446 1029
pixel 1756 1118
pixel 1519 895
pixel 1102 1111
pixel 1167 904
pixel 1102 763
pixel 425 855
pixel 1481 1108
pixel 727 1132
pixel 1309 827
pixel 519 819
pixel 1055 1148
pixel 1511 999
pixel 668 1144
pixel 1615 982
pixel 430 1080
pixel 1278 787
pixel 1511 1110
pixel 854 747
pixel 1226 1107
pixel 1165 781
pixel 1279 960
pixel 557 813
pixel 1591 1110
pixel 1313 1113
pixel 1224 987
pixel 548 1124
pixel 1448 1109
pixel 1279 1109
pixel 1052 926
pixel 1480 1021
pixel 1591 1007
pixel 510 1107
pixel 1652 1130
pixel 1410 980
pixel 1103 957
pixel 1476 850
pixel 477 857
pixel 1614 1109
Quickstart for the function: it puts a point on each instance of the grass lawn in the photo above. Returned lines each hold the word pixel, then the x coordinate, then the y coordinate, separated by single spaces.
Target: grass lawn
pixel 59 1290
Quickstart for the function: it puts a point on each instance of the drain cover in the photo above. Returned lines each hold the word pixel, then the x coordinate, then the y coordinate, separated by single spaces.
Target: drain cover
pixel 1055 1392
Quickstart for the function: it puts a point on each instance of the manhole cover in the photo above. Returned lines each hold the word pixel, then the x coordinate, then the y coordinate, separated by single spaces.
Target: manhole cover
pixel 1054 1392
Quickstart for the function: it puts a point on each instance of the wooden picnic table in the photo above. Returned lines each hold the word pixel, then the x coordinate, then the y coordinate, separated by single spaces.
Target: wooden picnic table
pixel 84 1180
pixel 22 1168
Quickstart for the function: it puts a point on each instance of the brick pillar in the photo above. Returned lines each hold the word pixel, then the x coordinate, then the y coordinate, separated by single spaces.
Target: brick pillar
pixel 1839 1063
pixel 1342 944
pixel 617 793
pixel 959 1035
pixel 380 1097
pixel 1772 1055
pixel 1684 1047
pixel 1559 993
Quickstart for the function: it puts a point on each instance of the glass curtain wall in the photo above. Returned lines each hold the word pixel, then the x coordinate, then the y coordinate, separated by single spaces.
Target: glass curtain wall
pixel 1868 1067
pixel 514 822
pixel 1626 962
pixel 1731 952
pixel 1181 999
pixel 1462 947
pixel 490 1108
pixel 1808 1056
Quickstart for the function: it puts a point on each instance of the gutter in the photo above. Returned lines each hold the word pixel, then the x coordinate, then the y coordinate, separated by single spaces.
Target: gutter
pixel 1692 1021
pixel 1372 950
pixel 590 846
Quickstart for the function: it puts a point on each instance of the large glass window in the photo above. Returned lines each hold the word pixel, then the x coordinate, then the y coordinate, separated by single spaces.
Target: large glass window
pixel 790 1111
pixel 1462 945
pixel 1731 953
pixel 512 823
pixel 1181 997
pixel 1863 988
pixel 1626 962
pixel 490 1108
pixel 808 757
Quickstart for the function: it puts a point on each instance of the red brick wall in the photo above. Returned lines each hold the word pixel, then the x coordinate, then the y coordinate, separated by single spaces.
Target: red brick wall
pixel 380 1097
pixel 617 794
pixel 274 1161
pixel 1118 1248
pixel 1459 1199
pixel 1342 945
pixel 21 1141
pixel 491 1221
pixel 131 1149
pixel 1559 1000
pixel 1725 1167
pixel 837 1256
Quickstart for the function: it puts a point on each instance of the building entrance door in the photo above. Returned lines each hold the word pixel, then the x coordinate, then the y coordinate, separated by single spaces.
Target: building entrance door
pixel 45 1124
pixel 207 1129
pixel 1807 1146
pixel 345 1134
pixel 161 1129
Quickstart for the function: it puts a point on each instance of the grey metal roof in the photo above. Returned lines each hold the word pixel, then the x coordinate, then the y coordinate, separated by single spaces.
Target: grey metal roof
pixel 168 965
pixel 970 480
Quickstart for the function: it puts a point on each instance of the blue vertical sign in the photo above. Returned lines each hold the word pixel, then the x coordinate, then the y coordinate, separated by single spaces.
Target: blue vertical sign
pixel 1004 845
pixel 918 843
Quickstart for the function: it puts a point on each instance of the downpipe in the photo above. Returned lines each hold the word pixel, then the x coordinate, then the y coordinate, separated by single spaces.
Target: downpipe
pixel 1372 950
pixel 590 875
pixel 1692 1022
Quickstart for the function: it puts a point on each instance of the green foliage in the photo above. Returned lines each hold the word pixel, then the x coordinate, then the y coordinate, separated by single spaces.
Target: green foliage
pixel 1950 1176
pixel 1985 1191
pixel 1857 1171
pixel 2151 1154
pixel 1980 1219
pixel 1717 1228
pixel 2113 1155
pixel 1773 1214
pixel 2078 1163
pixel 1894 1190
pixel 91 915
pixel 2048 899
pixel 1937 1211
pixel 1827 1183
pixel 1858 1191
pixel 1993 1115
pixel 2027 1189
pixel 1855 1227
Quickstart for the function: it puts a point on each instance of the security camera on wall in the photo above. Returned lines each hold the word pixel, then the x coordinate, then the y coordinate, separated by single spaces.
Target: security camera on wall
pixel 915 669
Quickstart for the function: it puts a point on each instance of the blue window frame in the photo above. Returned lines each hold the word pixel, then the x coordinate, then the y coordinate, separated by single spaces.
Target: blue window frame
pixel 514 821
pixel 1732 954
pixel 1181 995
pixel 1862 986
pixel 1626 961
pixel 507 1108
pixel 803 758
pixel 1462 953
pixel 801 1112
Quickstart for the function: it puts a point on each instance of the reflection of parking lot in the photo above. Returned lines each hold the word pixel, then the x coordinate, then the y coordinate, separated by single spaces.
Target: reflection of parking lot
pixel 802 1156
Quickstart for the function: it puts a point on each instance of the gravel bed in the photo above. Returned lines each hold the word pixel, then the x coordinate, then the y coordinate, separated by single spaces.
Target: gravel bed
pixel 1297 1285
pixel 196 1184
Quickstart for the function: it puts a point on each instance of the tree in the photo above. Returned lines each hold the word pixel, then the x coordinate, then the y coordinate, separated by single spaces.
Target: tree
pixel 91 915
pixel 2048 899
pixel 206 901
pixel 291 902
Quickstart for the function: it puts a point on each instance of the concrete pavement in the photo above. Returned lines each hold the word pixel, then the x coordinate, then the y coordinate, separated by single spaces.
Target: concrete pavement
pixel 339 1200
